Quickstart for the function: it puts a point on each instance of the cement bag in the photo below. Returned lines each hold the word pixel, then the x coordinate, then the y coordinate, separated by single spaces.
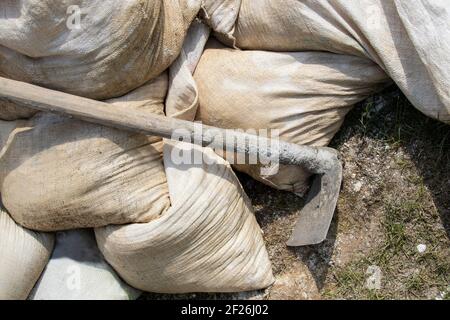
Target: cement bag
pixel 6 128
pixel 94 48
pixel 10 111
pixel 23 255
pixel 304 95
pixel 208 241
pixel 410 40
pixel 78 271
pixel 58 173
pixel 221 15
pixel 182 97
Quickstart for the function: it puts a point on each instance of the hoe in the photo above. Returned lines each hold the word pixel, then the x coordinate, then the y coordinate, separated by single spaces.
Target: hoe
pixel 315 218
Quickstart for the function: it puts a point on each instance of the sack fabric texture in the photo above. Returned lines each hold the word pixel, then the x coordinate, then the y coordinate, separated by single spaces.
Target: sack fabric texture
pixel 24 254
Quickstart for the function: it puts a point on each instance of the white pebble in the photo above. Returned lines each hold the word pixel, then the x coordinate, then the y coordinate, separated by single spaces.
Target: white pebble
pixel 421 248
pixel 357 186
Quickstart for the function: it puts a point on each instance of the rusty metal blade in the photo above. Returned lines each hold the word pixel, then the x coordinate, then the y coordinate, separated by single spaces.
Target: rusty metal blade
pixel 315 218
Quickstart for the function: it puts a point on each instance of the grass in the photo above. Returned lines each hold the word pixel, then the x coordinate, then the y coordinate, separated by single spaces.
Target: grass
pixel 403 228
pixel 415 212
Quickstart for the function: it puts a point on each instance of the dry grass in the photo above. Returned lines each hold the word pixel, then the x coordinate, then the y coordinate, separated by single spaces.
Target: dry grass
pixel 408 197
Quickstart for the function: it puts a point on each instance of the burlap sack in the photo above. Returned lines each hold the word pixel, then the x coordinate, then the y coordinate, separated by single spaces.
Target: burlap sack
pixel 23 256
pixel 208 241
pixel 410 40
pixel 94 48
pixel 221 15
pixel 78 271
pixel 182 97
pixel 304 95
pixel 58 173
pixel 6 128
pixel 10 111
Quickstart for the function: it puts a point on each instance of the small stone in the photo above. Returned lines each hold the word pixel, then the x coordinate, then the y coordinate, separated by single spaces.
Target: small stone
pixel 357 186
pixel 421 248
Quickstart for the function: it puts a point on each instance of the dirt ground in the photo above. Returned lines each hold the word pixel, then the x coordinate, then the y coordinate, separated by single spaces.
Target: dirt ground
pixel 390 237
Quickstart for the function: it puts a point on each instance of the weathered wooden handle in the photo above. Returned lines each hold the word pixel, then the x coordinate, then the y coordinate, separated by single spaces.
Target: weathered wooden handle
pixel 315 218
pixel 316 160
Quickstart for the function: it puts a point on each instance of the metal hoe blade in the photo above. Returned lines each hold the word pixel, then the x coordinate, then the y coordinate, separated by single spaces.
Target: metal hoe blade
pixel 315 218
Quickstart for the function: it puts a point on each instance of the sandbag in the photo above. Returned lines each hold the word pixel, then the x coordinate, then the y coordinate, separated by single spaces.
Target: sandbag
pixel 78 271
pixel 410 40
pixel 57 173
pixel 303 95
pixel 6 127
pixel 221 15
pixel 182 96
pixel 208 241
pixel 23 256
pixel 99 49
pixel 10 111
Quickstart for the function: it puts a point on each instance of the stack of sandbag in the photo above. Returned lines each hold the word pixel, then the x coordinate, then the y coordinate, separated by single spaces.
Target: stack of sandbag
pixel 208 240
pixel 58 173
pixel 23 255
pixel 163 227
pixel 409 40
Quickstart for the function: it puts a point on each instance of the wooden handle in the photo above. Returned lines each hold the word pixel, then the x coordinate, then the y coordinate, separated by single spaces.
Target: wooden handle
pixel 317 160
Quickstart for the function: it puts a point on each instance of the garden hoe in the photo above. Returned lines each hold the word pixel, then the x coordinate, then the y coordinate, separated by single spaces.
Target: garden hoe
pixel 315 218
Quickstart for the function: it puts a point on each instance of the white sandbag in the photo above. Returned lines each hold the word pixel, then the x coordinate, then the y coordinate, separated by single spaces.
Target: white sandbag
pixel 78 271
pixel 208 241
pixel 95 48
pixel 23 256
pixel 304 95
pixel 6 127
pixel 427 25
pixel 410 40
pixel 221 15
pixel 10 111
pixel 58 173
pixel 182 97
